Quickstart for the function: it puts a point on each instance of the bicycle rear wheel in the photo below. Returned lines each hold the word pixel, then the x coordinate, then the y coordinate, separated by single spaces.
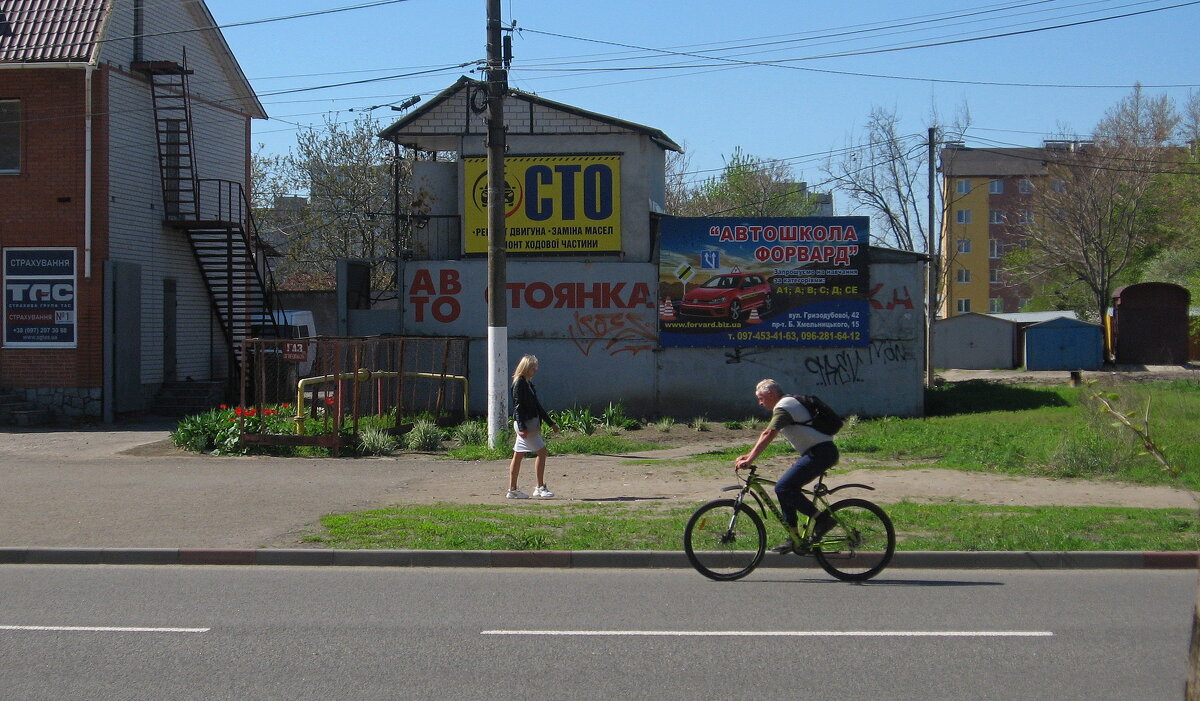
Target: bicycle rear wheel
pixel 854 540
pixel 724 540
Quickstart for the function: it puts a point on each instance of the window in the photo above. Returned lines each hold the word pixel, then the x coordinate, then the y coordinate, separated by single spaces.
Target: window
pixel 962 216
pixel 995 305
pixel 995 216
pixel 1058 186
pixel 964 245
pixel 995 187
pixel 10 136
pixel 995 248
pixel 994 275
pixel 964 306
pixel 1025 187
pixel 963 187
pixel 1025 216
pixel 962 275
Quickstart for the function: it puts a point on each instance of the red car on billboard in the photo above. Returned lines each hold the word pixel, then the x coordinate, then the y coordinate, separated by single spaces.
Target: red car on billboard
pixel 730 295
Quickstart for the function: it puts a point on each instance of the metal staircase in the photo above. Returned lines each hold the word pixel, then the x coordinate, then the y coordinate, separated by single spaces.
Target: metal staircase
pixel 214 214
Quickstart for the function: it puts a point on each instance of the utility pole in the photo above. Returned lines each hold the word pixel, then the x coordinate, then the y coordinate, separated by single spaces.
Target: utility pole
pixel 497 279
pixel 932 249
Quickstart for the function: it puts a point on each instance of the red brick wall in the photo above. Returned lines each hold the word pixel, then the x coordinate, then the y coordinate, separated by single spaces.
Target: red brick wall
pixel 43 206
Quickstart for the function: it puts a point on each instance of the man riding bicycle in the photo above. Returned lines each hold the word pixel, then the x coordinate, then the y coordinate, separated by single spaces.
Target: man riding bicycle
pixel 817 454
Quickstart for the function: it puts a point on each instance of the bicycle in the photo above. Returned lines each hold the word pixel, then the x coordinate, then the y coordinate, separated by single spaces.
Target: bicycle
pixel 852 539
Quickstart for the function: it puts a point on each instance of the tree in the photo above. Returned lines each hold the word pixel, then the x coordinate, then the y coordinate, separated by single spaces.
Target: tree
pixel 885 173
pixel 1092 221
pixel 344 173
pixel 748 186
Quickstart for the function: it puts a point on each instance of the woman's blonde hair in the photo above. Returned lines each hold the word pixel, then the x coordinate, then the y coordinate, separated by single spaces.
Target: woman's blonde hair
pixel 527 362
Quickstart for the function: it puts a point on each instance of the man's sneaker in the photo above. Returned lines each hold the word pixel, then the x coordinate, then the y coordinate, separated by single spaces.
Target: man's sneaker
pixel 516 494
pixel 542 492
pixel 783 548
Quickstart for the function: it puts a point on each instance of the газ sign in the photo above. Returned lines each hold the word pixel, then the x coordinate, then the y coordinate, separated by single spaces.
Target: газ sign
pixel 552 204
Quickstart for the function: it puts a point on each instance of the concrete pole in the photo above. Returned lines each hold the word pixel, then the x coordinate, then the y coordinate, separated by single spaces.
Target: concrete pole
pixel 497 86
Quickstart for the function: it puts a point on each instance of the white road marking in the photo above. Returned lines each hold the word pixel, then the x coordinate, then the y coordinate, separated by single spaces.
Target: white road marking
pixel 104 629
pixel 789 633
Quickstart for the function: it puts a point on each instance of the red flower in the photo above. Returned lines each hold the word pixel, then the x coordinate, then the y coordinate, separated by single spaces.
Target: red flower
pixel 268 412
pixel 329 401
pixel 239 411
pixel 224 406
pixel 287 406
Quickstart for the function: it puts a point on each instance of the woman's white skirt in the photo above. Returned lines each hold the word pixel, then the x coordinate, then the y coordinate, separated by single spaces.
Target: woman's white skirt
pixel 533 441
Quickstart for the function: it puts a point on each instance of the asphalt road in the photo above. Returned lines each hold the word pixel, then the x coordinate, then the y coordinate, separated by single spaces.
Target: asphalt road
pixel 431 633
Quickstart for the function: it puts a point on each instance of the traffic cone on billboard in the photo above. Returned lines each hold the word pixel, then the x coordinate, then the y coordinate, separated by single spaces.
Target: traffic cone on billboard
pixel 754 318
pixel 666 310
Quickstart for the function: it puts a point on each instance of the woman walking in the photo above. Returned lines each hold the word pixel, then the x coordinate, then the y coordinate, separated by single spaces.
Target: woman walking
pixel 528 418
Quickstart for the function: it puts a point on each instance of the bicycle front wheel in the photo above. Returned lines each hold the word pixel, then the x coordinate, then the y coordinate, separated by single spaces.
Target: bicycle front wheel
pixel 724 540
pixel 854 540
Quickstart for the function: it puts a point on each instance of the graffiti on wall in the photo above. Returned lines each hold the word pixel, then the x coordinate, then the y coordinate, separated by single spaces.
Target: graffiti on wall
pixel 847 366
pixel 900 298
pixel 612 332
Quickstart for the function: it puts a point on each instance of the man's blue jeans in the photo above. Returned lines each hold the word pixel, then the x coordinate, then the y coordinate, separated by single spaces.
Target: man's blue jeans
pixel 811 464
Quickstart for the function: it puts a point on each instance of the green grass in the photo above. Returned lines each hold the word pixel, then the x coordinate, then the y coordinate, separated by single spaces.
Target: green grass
pixel 1054 432
pixel 614 526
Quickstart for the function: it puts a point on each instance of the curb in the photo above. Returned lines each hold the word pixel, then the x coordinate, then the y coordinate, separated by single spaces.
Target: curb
pixel 572 559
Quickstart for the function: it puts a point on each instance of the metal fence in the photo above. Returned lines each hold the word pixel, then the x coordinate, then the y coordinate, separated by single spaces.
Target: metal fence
pixel 326 386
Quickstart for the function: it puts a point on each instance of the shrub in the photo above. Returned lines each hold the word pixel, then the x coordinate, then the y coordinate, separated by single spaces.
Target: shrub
pixel 425 436
pixel 700 424
pixel 578 419
pixel 664 424
pixel 376 441
pixel 471 433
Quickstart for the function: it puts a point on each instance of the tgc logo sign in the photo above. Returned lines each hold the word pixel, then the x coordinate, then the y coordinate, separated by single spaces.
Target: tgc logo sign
pixel 40 291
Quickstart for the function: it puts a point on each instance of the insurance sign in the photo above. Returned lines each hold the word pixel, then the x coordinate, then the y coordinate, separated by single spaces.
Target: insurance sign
pixel 39 298
pixel 552 204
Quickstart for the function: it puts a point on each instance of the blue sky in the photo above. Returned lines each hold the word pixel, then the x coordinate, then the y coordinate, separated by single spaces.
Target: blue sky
pixel 610 57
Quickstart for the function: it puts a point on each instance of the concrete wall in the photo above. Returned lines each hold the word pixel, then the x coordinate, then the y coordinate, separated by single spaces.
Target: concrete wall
pixel 594 328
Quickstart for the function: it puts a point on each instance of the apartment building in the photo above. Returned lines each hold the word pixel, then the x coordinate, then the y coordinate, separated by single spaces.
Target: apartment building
pixel 988 195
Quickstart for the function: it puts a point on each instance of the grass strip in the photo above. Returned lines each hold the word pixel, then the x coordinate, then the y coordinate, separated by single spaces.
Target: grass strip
pixel 614 526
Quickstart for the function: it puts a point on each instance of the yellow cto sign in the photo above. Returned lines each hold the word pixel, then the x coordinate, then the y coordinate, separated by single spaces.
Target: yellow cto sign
pixel 552 204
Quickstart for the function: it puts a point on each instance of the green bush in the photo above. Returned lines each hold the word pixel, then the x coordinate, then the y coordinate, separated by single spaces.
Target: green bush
pixel 376 441
pixel 471 433
pixel 424 436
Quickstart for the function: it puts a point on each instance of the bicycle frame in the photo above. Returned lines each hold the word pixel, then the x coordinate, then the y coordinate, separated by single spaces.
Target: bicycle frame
pixel 755 486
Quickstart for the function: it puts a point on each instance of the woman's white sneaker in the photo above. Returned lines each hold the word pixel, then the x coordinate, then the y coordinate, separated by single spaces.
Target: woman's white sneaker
pixel 542 492
pixel 517 494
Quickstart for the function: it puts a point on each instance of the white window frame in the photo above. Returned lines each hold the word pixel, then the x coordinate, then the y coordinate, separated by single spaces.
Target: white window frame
pixel 996 305
pixel 964 245
pixel 962 187
pixel 995 187
pixel 994 276
pixel 995 248
pixel 995 216
pixel 962 216
pixel 962 276
pixel 963 305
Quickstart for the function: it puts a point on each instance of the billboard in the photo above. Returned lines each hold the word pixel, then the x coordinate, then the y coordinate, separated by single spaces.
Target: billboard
pixel 758 281
pixel 552 204
pixel 39 298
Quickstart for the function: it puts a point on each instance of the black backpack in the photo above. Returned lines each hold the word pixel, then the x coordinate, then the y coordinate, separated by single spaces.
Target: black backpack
pixel 824 418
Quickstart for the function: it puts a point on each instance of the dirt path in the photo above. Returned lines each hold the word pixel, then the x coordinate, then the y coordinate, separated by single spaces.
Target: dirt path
pixel 663 476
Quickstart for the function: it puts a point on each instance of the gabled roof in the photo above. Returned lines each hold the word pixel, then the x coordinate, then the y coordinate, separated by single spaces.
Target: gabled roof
pixel 60 31
pixel 397 132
